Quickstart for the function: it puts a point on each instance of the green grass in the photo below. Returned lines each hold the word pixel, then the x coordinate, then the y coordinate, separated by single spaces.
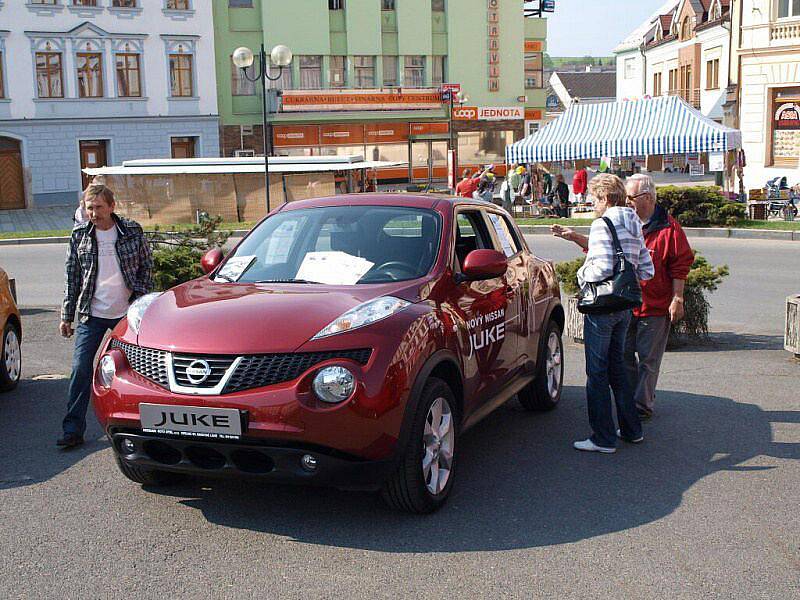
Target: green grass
pixel 774 225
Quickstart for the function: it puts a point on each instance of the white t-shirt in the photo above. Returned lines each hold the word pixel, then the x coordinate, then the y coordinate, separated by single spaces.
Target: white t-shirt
pixel 111 295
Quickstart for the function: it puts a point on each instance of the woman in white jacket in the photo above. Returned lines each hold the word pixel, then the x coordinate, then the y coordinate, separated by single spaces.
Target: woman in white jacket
pixel 604 334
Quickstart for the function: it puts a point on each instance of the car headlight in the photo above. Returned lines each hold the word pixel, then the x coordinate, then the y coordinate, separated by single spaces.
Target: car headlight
pixel 107 371
pixel 334 384
pixel 364 314
pixel 136 310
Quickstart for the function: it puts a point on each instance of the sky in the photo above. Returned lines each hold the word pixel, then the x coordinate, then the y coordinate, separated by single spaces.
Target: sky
pixel 591 27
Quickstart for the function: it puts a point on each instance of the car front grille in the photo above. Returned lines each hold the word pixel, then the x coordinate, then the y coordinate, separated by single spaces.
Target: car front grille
pixel 147 362
pixel 253 371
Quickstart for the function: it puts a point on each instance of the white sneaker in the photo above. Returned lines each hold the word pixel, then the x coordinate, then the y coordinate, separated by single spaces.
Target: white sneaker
pixel 638 440
pixel 589 446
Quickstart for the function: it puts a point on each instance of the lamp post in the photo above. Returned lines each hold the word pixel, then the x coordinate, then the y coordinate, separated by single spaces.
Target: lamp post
pixel 281 56
pixel 460 98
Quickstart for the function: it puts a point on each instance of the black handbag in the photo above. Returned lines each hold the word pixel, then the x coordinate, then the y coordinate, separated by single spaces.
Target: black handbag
pixel 621 291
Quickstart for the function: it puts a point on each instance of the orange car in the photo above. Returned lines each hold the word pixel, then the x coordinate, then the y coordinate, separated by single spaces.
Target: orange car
pixel 11 328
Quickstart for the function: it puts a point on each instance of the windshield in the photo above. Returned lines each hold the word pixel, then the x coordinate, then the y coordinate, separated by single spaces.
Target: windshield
pixel 339 245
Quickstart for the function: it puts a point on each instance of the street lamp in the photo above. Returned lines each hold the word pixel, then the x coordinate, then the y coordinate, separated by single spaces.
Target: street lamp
pixel 281 56
pixel 461 98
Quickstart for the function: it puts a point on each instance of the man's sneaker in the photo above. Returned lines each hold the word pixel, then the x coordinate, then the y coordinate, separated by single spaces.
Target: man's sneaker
pixel 70 440
pixel 638 440
pixel 590 446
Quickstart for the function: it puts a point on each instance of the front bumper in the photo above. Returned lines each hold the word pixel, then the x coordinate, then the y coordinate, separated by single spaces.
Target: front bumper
pixel 249 458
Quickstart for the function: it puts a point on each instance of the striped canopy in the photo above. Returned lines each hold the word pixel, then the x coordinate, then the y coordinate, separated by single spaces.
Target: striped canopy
pixel 663 125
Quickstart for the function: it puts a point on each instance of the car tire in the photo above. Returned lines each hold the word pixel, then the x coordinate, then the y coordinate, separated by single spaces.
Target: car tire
pixel 10 358
pixel 150 477
pixel 544 392
pixel 412 488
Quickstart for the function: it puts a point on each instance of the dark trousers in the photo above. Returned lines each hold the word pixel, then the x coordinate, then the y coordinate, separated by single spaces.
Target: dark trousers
pixel 604 346
pixel 644 349
pixel 88 337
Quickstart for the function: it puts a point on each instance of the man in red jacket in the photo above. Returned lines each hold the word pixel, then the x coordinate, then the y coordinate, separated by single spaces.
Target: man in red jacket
pixel 580 183
pixel 662 296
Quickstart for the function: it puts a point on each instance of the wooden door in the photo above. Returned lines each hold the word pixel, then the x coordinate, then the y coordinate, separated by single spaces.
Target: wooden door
pixel 183 147
pixel 12 190
pixel 93 156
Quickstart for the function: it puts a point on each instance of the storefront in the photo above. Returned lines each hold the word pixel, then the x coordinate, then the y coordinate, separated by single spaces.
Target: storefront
pixel 483 134
pixel 784 131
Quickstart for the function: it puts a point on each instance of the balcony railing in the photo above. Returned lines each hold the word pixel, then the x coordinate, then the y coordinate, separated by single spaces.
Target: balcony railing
pixel 784 31
pixel 692 97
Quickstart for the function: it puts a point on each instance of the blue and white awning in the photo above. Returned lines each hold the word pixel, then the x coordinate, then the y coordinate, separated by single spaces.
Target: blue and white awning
pixel 664 125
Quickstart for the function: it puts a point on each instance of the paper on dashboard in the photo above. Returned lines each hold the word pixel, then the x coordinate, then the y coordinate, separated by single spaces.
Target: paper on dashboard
pixel 333 268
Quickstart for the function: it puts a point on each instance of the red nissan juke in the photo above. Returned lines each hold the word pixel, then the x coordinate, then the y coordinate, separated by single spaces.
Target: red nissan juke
pixel 346 341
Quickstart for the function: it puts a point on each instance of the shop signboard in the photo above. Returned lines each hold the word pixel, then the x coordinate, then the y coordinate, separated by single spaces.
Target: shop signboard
pixel 716 162
pixel 378 99
pixel 451 87
pixel 429 128
pixel 384 133
pixel 788 116
pixel 295 135
pixel 341 135
pixel 534 46
pixel 465 113
pixel 500 113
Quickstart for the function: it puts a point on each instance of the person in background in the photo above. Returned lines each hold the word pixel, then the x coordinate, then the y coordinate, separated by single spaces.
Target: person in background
pixel 662 296
pixel 580 184
pixel 548 182
pixel 468 184
pixel 526 189
pixel 80 215
pixel 604 334
pixel 562 193
pixel 108 266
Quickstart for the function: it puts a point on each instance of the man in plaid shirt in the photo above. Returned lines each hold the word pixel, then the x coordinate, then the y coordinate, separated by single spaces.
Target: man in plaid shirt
pixel 108 266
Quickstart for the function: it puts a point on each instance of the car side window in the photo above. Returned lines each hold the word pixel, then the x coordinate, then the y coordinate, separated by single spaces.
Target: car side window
pixel 471 234
pixel 505 234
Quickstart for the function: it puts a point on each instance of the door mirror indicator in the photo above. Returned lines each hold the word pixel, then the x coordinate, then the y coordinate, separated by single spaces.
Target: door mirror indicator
pixel 211 260
pixel 483 264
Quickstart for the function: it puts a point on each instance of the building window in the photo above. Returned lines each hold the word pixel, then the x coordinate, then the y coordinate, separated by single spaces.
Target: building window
pixel 310 72
pixel 686 28
pixel 712 74
pixel 785 128
pixel 437 5
pixel 124 4
pixel 335 4
pixel 129 78
pixel 178 5
pixel 390 74
pixel 788 9
pixel 284 81
pixel 387 4
pixel 180 75
pixel 657 84
pixel 673 80
pixel 364 71
pixel 414 72
pixel 2 89
pixel 534 75
pixel 630 68
pixel 241 85
pixel 438 72
pixel 240 3
pixel 338 76
pixel 84 2
pixel 90 74
pixel 48 75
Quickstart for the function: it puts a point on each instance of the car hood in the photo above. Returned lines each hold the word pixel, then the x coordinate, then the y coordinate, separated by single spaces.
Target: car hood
pixel 208 317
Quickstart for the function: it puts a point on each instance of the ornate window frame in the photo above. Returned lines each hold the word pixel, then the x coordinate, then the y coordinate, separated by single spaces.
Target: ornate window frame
pixel 130 44
pixel 181 44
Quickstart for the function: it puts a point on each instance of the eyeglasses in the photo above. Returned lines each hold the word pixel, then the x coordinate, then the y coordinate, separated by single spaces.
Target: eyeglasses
pixel 632 198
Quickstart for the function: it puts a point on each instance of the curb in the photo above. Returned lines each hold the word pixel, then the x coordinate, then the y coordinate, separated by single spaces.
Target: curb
pixel 695 232
pixel 692 232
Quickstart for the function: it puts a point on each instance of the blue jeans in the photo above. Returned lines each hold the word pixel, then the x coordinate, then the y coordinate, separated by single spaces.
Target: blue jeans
pixel 88 337
pixel 604 339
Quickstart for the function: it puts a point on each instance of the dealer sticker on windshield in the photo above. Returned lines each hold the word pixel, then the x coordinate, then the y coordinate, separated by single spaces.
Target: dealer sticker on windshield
pixel 191 421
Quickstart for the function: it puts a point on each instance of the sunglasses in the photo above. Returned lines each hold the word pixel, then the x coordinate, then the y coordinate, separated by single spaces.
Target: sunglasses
pixel 632 198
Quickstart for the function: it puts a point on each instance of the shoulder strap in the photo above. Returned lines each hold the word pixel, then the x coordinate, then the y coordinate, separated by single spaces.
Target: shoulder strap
pixel 617 245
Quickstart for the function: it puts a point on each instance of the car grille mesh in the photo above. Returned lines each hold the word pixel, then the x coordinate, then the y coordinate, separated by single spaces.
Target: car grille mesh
pixel 269 369
pixel 256 370
pixel 147 362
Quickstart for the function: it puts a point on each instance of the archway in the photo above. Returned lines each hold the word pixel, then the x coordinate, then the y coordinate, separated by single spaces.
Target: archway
pixel 12 189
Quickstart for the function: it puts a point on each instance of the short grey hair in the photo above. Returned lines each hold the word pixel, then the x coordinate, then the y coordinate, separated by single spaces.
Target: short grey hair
pixel 646 184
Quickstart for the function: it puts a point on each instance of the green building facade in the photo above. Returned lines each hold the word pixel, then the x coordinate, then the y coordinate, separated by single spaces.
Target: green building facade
pixel 367 77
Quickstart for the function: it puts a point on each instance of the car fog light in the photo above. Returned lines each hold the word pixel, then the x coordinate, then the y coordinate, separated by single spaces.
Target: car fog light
pixel 108 369
pixel 127 447
pixel 309 462
pixel 334 384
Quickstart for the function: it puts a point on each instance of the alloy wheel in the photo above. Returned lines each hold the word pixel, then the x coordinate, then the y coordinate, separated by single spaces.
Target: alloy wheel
pixel 437 440
pixel 553 364
pixel 12 355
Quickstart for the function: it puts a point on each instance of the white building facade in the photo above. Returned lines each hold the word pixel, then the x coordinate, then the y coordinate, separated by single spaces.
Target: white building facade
pixel 769 89
pixel 86 83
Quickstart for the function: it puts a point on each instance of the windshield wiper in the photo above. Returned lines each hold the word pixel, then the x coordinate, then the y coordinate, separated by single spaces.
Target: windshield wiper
pixel 285 281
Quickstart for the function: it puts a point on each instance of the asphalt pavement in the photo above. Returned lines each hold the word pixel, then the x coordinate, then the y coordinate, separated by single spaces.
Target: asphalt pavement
pixel 705 507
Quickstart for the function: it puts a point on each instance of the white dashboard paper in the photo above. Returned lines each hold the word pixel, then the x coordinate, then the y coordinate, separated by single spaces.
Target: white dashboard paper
pixel 333 268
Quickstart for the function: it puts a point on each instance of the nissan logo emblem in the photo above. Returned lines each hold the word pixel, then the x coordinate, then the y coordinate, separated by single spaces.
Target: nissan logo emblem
pixel 198 371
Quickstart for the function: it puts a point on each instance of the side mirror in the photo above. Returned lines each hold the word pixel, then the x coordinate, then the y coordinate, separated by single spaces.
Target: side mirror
pixel 484 264
pixel 211 260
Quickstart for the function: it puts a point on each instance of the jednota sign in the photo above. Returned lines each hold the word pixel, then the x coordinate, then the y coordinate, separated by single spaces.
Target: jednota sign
pixel 488 113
